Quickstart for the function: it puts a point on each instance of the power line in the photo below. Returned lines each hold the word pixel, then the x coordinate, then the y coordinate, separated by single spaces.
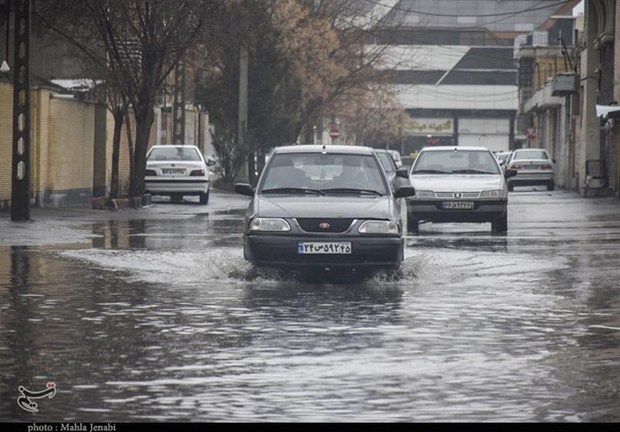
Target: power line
pixel 511 13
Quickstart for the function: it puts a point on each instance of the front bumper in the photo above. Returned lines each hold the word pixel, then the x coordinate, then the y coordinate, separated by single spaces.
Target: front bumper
pixel 281 251
pixel 431 210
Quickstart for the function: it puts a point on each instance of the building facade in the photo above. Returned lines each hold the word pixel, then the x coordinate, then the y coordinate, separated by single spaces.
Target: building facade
pixel 456 71
pixel 570 93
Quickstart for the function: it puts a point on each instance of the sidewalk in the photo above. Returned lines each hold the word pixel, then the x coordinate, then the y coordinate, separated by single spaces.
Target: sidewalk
pixel 53 225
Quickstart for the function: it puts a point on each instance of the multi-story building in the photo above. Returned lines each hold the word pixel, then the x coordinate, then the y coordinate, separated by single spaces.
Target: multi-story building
pixel 569 94
pixel 456 69
pixel 598 153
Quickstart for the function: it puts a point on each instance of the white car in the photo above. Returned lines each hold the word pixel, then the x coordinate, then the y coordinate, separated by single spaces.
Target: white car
pixel 458 184
pixel 177 170
pixel 533 166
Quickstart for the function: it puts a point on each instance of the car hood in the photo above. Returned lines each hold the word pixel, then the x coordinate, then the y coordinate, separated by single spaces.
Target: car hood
pixel 460 182
pixel 335 206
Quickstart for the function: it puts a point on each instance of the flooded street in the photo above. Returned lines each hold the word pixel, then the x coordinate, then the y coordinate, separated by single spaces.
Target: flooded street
pixel 155 319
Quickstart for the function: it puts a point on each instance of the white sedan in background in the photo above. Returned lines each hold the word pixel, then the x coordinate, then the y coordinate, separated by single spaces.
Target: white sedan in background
pixel 533 166
pixel 458 184
pixel 177 170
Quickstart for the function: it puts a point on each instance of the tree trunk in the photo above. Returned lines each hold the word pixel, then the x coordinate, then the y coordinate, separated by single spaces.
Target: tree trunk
pixel 130 145
pixel 119 116
pixel 144 121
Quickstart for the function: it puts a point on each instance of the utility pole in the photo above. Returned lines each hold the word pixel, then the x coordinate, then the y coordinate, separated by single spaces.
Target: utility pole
pixel 20 183
pixel 243 108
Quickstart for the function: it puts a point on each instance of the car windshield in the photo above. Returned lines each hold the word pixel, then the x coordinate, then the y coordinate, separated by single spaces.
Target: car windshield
pixel 531 154
pixel 174 154
pixel 324 173
pixel 455 162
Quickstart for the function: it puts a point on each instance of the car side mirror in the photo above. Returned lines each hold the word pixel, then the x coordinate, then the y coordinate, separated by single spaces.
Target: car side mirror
pixel 510 173
pixel 403 173
pixel 244 189
pixel 404 191
pixel 211 162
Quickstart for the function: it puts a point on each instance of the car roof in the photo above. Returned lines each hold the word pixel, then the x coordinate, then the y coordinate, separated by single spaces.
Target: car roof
pixel 455 148
pixel 320 148
pixel 530 149
pixel 173 145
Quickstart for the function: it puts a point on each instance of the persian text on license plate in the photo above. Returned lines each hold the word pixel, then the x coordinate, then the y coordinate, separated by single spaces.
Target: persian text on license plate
pixel 172 171
pixel 457 205
pixel 323 248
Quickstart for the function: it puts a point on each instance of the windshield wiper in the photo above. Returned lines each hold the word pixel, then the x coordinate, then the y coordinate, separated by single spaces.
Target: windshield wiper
pixel 352 190
pixel 293 190
pixel 429 171
pixel 471 171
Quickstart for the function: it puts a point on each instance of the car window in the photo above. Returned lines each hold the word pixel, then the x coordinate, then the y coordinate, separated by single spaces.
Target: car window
pixel 323 171
pixel 503 156
pixel 531 154
pixel 387 161
pixel 174 154
pixel 451 161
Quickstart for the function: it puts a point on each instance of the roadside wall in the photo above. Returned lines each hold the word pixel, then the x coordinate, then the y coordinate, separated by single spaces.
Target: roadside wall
pixel 6 137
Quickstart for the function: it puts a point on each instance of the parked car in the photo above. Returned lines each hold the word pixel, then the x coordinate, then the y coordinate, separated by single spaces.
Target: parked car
pixel 324 207
pixel 458 184
pixel 176 171
pixel 533 167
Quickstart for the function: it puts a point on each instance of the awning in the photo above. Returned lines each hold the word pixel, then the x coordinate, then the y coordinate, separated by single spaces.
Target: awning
pixel 605 110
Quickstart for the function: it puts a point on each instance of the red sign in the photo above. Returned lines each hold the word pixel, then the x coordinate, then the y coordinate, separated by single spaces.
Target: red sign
pixel 334 132
pixel 530 133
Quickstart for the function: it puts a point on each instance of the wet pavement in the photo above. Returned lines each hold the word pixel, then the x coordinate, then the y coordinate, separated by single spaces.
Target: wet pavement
pixel 149 315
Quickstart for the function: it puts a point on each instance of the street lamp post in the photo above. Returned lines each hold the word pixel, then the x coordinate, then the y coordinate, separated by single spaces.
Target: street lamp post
pixel 20 185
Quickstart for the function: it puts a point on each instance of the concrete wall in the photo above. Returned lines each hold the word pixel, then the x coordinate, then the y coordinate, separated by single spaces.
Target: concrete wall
pixel 6 137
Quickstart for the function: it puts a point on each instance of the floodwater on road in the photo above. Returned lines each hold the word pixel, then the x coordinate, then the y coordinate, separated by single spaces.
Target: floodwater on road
pixel 156 320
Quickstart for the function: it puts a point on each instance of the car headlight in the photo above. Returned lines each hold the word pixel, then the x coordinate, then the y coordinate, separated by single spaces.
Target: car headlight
pixel 424 194
pixel 494 194
pixel 269 224
pixel 378 227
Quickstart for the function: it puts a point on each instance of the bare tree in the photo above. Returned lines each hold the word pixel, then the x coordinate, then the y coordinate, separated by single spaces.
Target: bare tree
pixel 141 41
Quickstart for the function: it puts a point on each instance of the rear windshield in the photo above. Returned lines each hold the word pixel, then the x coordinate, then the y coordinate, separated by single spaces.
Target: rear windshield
pixel 174 154
pixel 531 154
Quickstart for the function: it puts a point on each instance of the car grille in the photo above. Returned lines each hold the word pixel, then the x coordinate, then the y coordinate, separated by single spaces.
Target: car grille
pixel 457 194
pixel 336 225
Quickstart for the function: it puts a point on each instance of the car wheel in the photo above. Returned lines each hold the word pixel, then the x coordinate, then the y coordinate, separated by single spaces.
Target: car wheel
pixel 413 225
pixel 500 224
pixel 550 186
pixel 204 198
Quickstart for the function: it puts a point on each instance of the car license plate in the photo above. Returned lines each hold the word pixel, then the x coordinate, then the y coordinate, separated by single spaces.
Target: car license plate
pixel 457 205
pixel 340 248
pixel 172 171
